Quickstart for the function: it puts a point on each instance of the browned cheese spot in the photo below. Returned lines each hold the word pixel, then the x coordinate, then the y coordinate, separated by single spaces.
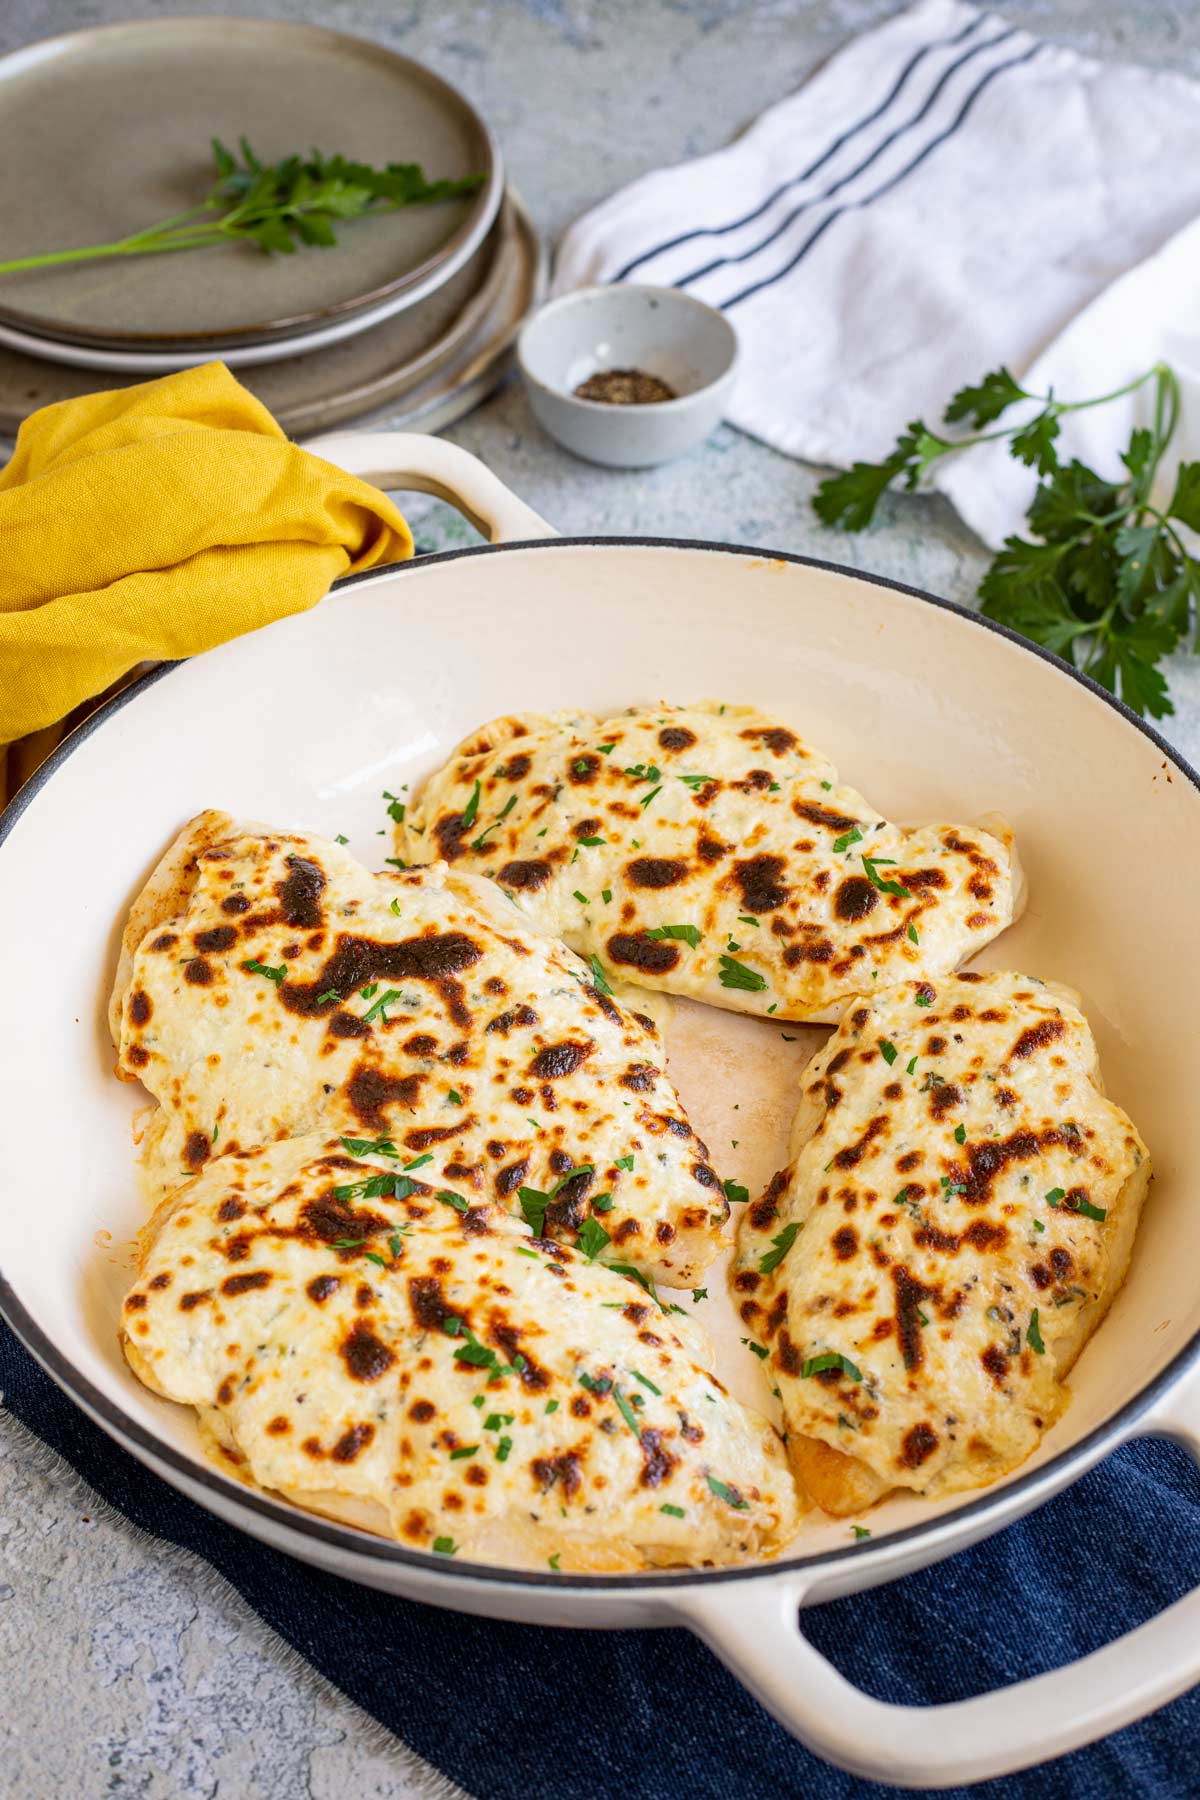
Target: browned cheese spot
pixel 365 1356
pixel 655 871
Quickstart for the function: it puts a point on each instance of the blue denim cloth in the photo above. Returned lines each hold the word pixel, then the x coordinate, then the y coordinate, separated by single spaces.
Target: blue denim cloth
pixel 515 1712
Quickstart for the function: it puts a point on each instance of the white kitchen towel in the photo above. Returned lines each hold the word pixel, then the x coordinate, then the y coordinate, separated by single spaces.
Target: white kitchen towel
pixel 947 194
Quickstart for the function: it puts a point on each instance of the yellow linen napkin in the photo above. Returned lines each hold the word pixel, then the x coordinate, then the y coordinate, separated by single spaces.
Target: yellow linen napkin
pixel 152 522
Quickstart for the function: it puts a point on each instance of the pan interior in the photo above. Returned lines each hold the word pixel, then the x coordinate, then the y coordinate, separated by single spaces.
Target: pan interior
pixel 305 723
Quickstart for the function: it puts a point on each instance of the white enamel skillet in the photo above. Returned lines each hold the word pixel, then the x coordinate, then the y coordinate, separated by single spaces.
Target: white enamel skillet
pixel 935 714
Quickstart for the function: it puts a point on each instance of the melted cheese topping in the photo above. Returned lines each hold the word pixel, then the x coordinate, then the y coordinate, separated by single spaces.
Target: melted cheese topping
pixel 425 1366
pixel 957 1214
pixel 292 991
pixel 707 851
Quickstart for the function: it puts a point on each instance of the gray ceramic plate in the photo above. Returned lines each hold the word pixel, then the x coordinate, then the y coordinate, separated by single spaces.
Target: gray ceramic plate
pixel 430 364
pixel 107 130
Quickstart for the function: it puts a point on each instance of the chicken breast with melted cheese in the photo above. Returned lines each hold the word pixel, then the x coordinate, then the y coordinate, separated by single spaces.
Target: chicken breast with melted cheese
pixel 957 1215
pixel 415 1362
pixel 270 986
pixel 705 850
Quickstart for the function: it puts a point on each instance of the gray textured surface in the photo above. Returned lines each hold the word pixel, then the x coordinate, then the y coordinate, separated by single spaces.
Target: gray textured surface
pixel 171 1687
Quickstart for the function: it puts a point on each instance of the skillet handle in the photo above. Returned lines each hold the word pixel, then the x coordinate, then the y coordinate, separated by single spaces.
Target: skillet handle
pixel 754 1628
pixel 431 465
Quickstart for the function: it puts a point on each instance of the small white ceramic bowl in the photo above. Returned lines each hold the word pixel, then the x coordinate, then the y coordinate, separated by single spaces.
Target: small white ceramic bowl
pixel 660 331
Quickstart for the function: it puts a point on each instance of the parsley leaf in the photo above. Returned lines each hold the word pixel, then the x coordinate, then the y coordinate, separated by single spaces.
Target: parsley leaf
pixel 686 934
pixel 278 976
pixel 1105 580
pixel 593 1238
pixel 728 1494
pixel 783 1243
pixel 734 974
pixel 830 1359
pixel 599 979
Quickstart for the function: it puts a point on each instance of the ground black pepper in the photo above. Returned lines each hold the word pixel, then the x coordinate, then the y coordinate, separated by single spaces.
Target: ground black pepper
pixel 624 387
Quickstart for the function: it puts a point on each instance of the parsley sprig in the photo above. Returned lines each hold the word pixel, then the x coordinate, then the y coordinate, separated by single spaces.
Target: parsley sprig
pixel 1105 579
pixel 278 206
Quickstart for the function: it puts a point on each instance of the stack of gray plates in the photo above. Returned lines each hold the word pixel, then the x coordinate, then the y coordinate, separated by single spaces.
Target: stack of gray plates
pixel 106 131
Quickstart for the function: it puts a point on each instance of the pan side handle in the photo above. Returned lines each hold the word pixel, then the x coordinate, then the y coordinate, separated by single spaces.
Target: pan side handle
pixel 431 465
pixel 754 1628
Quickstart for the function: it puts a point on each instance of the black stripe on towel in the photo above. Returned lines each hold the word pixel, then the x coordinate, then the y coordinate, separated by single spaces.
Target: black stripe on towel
pixel 893 137
pixel 851 131
pixel 858 205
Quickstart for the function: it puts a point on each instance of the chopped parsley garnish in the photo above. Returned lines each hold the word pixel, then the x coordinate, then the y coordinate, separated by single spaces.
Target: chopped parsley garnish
pixel 366 993
pixel 645 772
pixel 595 1385
pixel 1055 1195
pixel 582 898
pixel 745 919
pixel 915 938
pixel 755 1349
pixel 394 1244
pixel 696 781
pixel 503 1448
pixel 735 1193
pixel 676 1512
pixel 627 1413
pixel 783 1244
pixel 860 1531
pixel 912 1066
pixel 553 1561
pixel 449 1199
pixel 386 999
pixel 418 1162
pixel 329 994
pixel 593 1238
pixel 371 1256
pixel 606 895
pixel 591 843
pixel 599 979
pixel 278 976
pixel 453 1097
pixel 626 1163
pixel 871 864
pixel 606 749
pixel 480 842
pixel 736 975
pixel 551 1407
pixel 923 999
pixel 395 807
pixel 381 1146
pixel 645 1381
pixel 828 786
pixel 466 1450
pixel 1038 1225
pixel 1083 1205
pixel 534 1202
pixel 724 1492
pixel 445 1546
pixel 699 1294
pixel 645 799
pixel 339 839
pixel 602 1203
pixel 686 934
pixel 472 806
pixel 960 1134
pixel 951 1187
pixel 1034 1334
pixel 888 1051
pixel 853 836
pixel 831 1359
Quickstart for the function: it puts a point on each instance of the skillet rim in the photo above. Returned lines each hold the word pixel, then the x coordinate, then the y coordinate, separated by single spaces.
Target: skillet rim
pixel 1053 1475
